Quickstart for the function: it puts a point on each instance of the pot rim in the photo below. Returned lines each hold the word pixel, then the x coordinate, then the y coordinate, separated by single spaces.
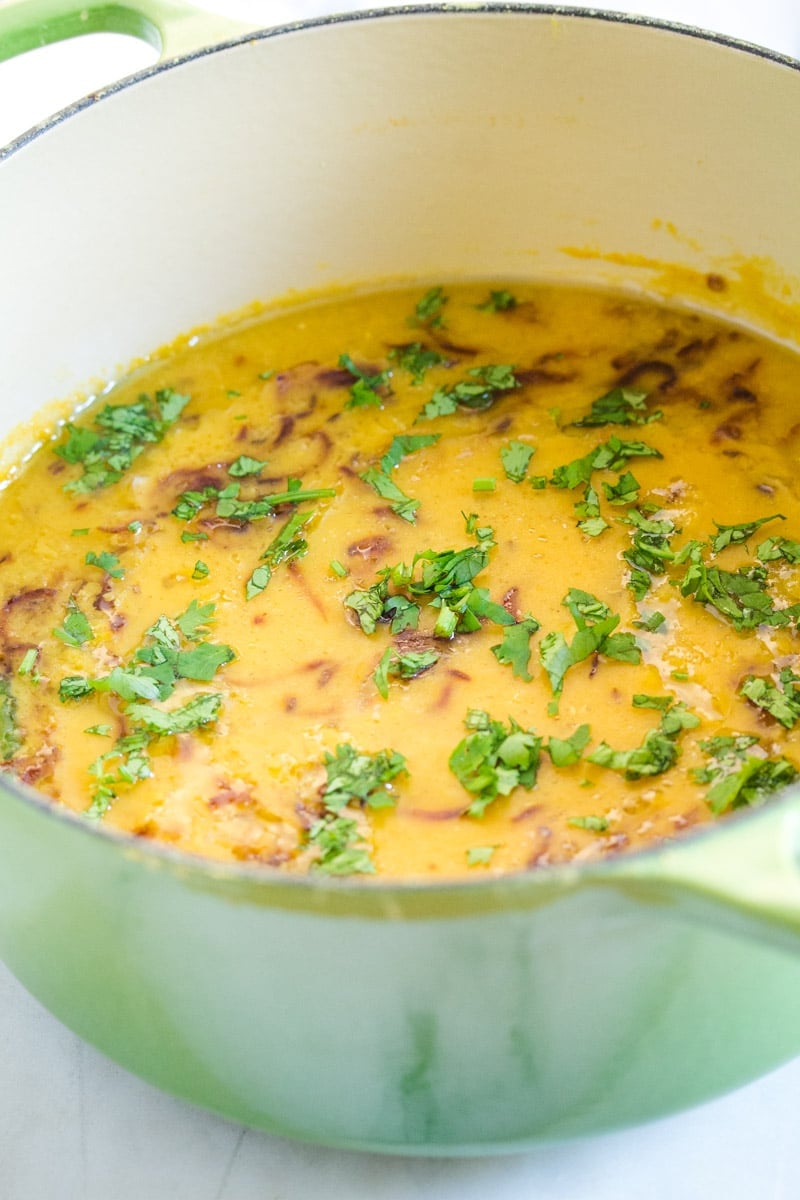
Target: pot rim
pixel 497 890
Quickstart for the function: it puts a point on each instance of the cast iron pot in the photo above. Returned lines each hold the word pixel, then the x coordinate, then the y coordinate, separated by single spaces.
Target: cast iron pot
pixel 428 143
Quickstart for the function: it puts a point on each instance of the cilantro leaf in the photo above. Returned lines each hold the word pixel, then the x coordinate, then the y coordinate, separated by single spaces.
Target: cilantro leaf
pixel 658 752
pixel 595 635
pixel 515 650
pixel 245 465
pixel 120 435
pixel 367 389
pixel 360 777
pixel 199 711
pixel 740 778
pixel 734 535
pixel 498 301
pixel 515 458
pixel 781 702
pixel 494 759
pixel 405 444
pixel 106 562
pixel 405 506
pixel 593 823
pixel 341 847
pixel 10 740
pixel 287 544
pixel 778 548
pixel 430 309
pixel 565 752
pixel 403 666
pixel 607 456
pixel 416 359
pixel 75 629
pixel 620 406
pixel 476 392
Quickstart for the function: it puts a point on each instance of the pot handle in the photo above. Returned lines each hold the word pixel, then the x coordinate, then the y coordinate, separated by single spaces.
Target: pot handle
pixel 744 876
pixel 174 27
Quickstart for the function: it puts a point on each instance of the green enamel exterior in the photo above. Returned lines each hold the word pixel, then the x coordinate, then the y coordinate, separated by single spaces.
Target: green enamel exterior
pixel 424 1020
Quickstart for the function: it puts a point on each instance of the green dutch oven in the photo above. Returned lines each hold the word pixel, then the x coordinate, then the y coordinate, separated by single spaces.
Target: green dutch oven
pixel 429 142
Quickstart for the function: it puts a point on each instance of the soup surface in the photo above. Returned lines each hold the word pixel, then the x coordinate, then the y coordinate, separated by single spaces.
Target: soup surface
pixel 415 584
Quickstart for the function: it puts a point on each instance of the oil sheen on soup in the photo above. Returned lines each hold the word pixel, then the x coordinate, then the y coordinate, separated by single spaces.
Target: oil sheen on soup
pixel 414 583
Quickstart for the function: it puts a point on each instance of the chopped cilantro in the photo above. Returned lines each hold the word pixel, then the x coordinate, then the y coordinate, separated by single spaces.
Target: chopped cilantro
pixel 106 562
pixel 228 505
pixel 9 735
pixel 650 550
pixel 245 465
pixel 734 535
pixel 338 568
pixel 75 629
pixel 121 433
pixel 416 359
pixel 651 623
pixel 494 759
pixel 624 491
pixel 356 776
pixel 405 444
pixel 498 301
pixel 565 752
pixel 739 596
pixel 341 849
pixel 592 823
pixel 596 624
pixel 516 457
pixel 476 392
pixel 200 710
pixel 775 548
pixel 515 650
pixel 620 406
pixel 367 389
pixel 200 570
pixel 403 666
pixel 287 544
pixel 658 751
pixel 28 664
pixel 480 856
pixel 608 456
pixel 740 778
pixel 442 579
pixel 405 506
pixel 429 310
pixel 781 702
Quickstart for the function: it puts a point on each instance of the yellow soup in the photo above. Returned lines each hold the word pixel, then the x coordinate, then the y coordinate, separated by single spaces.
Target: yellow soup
pixel 415 584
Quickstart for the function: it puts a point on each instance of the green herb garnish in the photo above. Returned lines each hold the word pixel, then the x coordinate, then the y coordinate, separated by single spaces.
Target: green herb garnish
pixel 402 666
pixel 516 457
pixel 121 433
pixel 476 392
pixel 367 389
pixel 620 406
pixel 285 546
pixel 75 629
pixel 494 759
pixel 498 301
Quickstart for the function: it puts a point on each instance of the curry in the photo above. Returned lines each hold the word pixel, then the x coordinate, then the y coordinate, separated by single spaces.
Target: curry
pixel 415 583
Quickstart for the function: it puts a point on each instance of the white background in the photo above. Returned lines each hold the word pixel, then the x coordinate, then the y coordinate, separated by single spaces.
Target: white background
pixel 75 1127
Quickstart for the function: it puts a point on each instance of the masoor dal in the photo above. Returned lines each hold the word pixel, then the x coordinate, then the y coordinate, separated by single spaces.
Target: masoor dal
pixel 415 583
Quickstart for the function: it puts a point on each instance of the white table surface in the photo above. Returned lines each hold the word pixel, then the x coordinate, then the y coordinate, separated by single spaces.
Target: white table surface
pixel 74 1126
